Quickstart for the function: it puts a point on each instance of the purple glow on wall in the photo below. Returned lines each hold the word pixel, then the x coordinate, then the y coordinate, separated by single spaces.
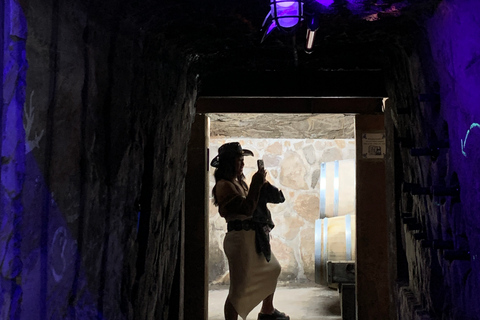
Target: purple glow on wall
pixel 12 148
pixel 453 34
pixel 37 276
pixel 67 286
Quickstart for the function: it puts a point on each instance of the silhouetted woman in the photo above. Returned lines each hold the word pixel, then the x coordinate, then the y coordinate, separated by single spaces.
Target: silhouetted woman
pixel 252 278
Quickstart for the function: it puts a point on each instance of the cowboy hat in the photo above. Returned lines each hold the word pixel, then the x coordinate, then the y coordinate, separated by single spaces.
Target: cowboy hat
pixel 231 148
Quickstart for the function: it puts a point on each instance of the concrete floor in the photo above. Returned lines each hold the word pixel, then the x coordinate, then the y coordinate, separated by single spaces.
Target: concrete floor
pixel 300 302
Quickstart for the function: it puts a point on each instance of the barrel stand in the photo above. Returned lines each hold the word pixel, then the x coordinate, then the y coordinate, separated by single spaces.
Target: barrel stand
pixel 343 274
pixel 347 301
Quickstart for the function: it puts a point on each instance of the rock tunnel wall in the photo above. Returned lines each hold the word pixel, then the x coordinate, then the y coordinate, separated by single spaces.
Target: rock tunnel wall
pixel 91 228
pixel 435 116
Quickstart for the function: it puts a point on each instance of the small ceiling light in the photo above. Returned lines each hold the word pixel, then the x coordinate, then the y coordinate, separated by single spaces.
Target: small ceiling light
pixel 312 27
pixel 284 15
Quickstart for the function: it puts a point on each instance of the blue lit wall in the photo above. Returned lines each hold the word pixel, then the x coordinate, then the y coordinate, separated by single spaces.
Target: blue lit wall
pixel 13 159
pixel 38 253
pixel 445 64
pixel 454 35
pixel 455 42
pixel 83 116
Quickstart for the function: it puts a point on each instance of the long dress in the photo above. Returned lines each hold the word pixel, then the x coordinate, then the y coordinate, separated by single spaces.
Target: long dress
pixel 252 278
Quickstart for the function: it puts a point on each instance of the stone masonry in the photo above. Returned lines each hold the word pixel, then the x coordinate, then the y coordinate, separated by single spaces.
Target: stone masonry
pixel 293 165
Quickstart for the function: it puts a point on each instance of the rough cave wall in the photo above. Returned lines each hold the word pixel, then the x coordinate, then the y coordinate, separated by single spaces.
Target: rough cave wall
pixel 435 93
pixel 93 231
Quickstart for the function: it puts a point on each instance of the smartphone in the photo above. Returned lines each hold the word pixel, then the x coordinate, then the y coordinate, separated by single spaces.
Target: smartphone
pixel 260 164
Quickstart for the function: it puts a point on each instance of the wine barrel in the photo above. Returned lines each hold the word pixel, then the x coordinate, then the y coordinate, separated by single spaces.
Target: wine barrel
pixel 335 240
pixel 337 188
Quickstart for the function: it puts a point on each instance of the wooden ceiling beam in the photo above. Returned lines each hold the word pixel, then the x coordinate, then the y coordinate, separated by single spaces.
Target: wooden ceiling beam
pixel 289 105
pixel 294 84
pixel 292 92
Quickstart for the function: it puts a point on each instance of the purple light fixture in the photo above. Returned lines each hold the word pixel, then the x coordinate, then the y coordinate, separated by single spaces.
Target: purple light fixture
pixel 326 3
pixel 289 15
pixel 284 15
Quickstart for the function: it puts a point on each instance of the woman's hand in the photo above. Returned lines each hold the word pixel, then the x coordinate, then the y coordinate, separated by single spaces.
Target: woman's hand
pixel 259 178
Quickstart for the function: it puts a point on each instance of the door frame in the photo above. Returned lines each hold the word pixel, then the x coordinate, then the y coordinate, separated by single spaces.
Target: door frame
pixel 197 269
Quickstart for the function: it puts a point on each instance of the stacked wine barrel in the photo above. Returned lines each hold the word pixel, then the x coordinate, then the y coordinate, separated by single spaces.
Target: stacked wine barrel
pixel 335 229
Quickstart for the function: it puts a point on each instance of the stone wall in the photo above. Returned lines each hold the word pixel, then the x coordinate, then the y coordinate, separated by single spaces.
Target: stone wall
pixel 293 165
pixel 95 133
pixel 435 94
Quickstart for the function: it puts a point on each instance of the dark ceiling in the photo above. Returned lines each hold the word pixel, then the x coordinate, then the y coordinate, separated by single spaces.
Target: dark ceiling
pixel 224 37
pixel 354 40
pixel 351 34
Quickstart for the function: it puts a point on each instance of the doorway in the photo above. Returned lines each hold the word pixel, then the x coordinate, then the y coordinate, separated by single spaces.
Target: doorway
pixel 306 105
pixel 295 149
pixel 298 150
